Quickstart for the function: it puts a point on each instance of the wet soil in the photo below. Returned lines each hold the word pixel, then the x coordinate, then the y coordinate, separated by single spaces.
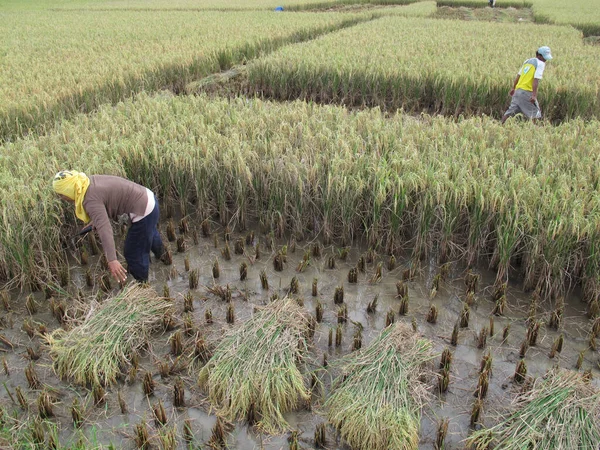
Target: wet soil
pixel 106 424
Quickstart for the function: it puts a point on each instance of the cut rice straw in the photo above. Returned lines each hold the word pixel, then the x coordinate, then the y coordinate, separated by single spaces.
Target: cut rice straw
pixel 560 412
pixel 257 367
pixel 92 352
pixel 376 400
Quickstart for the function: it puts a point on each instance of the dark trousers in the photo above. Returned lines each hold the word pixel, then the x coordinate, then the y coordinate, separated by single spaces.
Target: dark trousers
pixel 143 237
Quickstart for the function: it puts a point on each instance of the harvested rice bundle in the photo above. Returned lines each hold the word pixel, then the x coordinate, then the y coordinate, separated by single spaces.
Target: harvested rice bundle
pixel 93 351
pixel 257 367
pixel 560 412
pixel 377 398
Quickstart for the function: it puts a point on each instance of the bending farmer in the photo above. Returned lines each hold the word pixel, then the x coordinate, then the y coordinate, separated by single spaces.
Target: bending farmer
pixel 99 198
pixel 525 87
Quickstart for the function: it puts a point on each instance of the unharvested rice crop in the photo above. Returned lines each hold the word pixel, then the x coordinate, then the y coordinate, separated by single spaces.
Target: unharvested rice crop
pixel 449 67
pixel 58 63
pixel 255 372
pixel 560 412
pixel 416 182
pixel 376 400
pixel 224 5
pixel 94 351
pixel 582 14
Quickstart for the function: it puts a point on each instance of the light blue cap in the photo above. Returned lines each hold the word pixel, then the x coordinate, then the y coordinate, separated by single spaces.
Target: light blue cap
pixel 545 52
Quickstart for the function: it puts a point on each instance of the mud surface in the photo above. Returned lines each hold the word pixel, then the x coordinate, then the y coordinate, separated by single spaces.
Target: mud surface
pixel 106 424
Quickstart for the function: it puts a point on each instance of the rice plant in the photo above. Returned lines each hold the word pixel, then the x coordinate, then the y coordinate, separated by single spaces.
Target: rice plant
pixel 454 335
pixel 125 42
pixel 375 401
pixel 395 78
pixel 32 377
pixel 442 431
pixel 260 364
pixel 142 437
pixel 558 412
pixel 148 384
pixel 122 403
pixel 483 178
pixel 92 351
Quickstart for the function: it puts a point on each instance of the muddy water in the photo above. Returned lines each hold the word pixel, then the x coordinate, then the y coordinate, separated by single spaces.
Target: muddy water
pixel 106 424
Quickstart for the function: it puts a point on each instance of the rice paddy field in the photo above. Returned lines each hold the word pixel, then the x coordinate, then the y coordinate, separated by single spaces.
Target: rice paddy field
pixel 106 56
pixel 582 14
pixel 359 255
pixel 403 73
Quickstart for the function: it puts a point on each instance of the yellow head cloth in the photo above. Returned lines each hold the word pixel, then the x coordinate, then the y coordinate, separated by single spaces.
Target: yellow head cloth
pixel 73 184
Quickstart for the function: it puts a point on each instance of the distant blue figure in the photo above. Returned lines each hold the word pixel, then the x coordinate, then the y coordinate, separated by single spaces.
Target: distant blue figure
pixel 279 8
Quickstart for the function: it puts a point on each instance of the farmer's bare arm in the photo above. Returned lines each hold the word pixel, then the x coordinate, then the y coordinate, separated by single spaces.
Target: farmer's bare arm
pixel 512 91
pixel 536 82
pixel 97 211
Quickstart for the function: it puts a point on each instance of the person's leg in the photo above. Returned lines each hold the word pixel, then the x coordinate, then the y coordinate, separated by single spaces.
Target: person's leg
pixel 532 110
pixel 138 244
pixel 508 114
pixel 157 244
pixel 511 111
pixel 137 251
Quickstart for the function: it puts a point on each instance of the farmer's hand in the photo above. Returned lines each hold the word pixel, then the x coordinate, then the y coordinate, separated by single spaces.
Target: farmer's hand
pixel 511 93
pixel 117 271
pixel 533 99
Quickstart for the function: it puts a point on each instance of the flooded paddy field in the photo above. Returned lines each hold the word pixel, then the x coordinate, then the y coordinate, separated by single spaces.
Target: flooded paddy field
pixel 315 274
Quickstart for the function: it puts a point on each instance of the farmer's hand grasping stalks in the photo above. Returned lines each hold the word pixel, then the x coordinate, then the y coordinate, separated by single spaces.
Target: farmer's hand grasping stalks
pixel 98 199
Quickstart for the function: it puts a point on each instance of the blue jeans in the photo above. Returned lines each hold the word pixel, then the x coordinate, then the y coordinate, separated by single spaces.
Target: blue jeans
pixel 143 237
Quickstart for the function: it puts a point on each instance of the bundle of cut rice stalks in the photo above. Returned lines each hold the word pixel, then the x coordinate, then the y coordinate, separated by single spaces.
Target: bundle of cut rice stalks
pixel 376 401
pixel 93 351
pixel 255 372
pixel 560 412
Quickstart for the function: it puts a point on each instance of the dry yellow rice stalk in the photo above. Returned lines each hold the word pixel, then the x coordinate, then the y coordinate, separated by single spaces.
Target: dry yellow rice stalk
pixel 93 351
pixel 257 367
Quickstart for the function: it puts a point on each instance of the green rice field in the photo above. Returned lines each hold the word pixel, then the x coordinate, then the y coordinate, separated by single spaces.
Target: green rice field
pixel 359 254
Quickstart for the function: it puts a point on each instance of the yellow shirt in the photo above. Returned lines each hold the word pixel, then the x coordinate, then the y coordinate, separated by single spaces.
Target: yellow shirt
pixel 531 69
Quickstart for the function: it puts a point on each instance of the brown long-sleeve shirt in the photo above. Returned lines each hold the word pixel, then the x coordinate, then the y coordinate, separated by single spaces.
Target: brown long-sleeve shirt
pixel 108 197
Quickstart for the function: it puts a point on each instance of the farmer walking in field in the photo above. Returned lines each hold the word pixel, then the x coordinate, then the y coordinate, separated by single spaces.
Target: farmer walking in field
pixel 99 198
pixel 525 86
